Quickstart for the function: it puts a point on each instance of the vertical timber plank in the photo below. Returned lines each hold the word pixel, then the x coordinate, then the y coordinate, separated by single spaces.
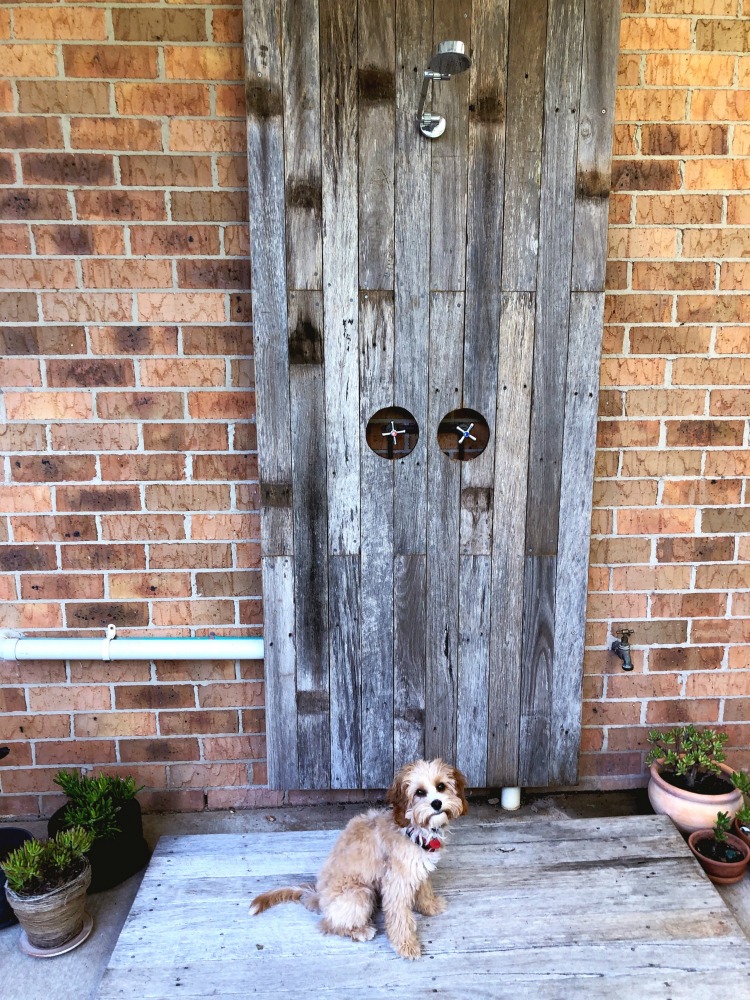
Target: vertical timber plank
pixel 409 644
pixel 346 678
pixel 377 104
pixel 475 585
pixel 444 486
pixel 579 446
pixel 265 143
pixel 376 391
pixel 338 95
pixel 527 35
pixel 304 264
pixel 279 657
pixel 511 471
pixel 452 20
pixel 562 93
pixel 310 535
pixel 601 34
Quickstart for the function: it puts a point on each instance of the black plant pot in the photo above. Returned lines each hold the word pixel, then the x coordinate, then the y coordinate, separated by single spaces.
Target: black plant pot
pixel 113 859
pixel 11 837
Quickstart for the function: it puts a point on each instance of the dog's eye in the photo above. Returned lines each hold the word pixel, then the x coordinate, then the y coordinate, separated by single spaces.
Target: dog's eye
pixel 420 792
pixel 441 787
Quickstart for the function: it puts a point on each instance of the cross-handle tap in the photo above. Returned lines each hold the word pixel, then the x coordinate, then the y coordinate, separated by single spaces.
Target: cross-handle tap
pixel 621 647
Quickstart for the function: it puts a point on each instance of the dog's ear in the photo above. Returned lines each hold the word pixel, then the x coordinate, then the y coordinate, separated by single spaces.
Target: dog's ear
pixel 460 782
pixel 396 796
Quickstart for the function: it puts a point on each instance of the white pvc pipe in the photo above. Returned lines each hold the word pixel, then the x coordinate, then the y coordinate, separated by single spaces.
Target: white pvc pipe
pixel 110 648
pixel 510 798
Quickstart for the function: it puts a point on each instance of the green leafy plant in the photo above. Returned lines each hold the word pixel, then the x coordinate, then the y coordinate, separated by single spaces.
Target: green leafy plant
pixel 39 866
pixel 95 802
pixel 688 752
pixel 743 816
pixel 722 826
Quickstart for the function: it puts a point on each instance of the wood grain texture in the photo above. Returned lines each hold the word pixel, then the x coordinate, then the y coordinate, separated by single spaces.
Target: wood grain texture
pixel 537 650
pixel 508 544
pixel 346 674
pixel 579 447
pixel 376 333
pixel 527 34
pixel 279 661
pixel 310 534
pixel 452 20
pixel 444 485
pixel 376 31
pixel 409 653
pixel 475 587
pixel 302 180
pixel 339 114
pixel 601 35
pixel 265 142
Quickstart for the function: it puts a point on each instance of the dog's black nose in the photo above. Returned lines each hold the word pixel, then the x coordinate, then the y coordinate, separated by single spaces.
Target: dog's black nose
pixel 436 804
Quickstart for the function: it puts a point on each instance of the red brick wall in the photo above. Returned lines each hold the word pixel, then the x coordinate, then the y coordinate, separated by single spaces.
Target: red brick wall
pixel 129 488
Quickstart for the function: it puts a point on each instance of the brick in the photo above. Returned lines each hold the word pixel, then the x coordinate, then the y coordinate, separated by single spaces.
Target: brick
pixel 688 70
pixel 183 372
pixel 721 630
pixel 190 555
pixel 61 588
pixel 643 686
pixel 30 132
pixel 63 97
pixel 698 492
pixel 639 104
pixel 207 775
pixel 670 713
pixel 25 499
pixel 651 578
pixel 741 141
pixel 98 437
pixel 248 555
pixel 21 372
pixel 139 405
pixel 175 613
pixel 125 206
pixel 710 371
pixel 76 752
pixel 22 437
pixel 675 209
pixel 734 276
pixel 33 615
pixel 730 402
pixel 668 139
pixel 14 239
pixel 32 780
pixel 34 273
pixel 671 521
pixel 134 339
pixel 674 274
pixel 142 467
pixel 90 373
pixel 627 433
pixel 201 136
pixel 243 372
pixel 230 98
pixel 7 169
pixel 18 204
pixel 86 307
pixel 616 275
pixel 236 241
pixel 686 658
pixel 166 171
pixel 638 308
pixel 245 437
pixel 137 751
pixel 654 33
pixel 231 695
pixel 225 405
pixel 224 526
pixel 115 133
pixel 228 584
pixel 144 24
pixel 114 61
pixel 688 605
pixel 225 467
pixel 119 672
pixel 75 240
pixel 714 175
pixel 665 402
pixel 188 497
pixel 154 696
pixel 213 274
pixel 704 433
pixel 53 468
pixel 6 96
pixel 114 724
pixel 618 550
pixel 625 493
pixel 18 307
pixel 723 36
pixel 723 577
pixel 185 800
pixel 172 671
pixel 8 588
pixel 717 684
pixel 729 242
pixel 175 240
pixel 645 175
pixel 179 723
pixel 729 519
pixel 604 606
pixel 70 698
pixel 36 727
pixel 221 340
pixel 130 615
pixel 127 273
pixel 162 99
pixel 741 608
pixel 25 558
pixel 143 527
pixel 103 557
pixel 720 105
pixel 227 26
pixel 629 243
pixel 232 170
pixel 149 585
pixel 21 61
pixel 727 463
pixel 185 437
pixel 182 307
pixel 203 62
pixel 700 549
pixel 59 23
pixel 667 340
pixel 620 713
pixel 208 206
pixel 12 700
pixel 234 747
pixel 82 498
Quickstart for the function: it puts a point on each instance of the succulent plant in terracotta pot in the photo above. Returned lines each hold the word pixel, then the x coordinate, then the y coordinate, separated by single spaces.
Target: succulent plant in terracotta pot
pixel 690 782
pixel 722 856
pixel 742 818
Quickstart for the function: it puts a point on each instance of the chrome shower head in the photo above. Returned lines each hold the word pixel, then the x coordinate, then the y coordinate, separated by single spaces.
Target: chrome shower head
pixel 449 60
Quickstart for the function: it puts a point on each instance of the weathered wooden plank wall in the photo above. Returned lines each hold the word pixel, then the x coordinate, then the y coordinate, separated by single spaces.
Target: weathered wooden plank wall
pixel 427 606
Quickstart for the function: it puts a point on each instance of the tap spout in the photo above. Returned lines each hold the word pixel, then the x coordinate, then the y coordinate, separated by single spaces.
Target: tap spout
pixel 621 648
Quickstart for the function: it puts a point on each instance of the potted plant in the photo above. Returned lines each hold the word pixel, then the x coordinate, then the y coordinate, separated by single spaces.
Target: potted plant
pixel 11 837
pixel 723 856
pixel 107 807
pixel 690 782
pixel 742 818
pixel 47 883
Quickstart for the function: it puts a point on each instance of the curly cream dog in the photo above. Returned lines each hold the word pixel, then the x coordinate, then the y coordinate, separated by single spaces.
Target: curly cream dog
pixel 385 854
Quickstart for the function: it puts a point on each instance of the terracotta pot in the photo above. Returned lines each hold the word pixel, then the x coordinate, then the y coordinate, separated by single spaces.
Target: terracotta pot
pixel 721 872
pixel 738 833
pixel 54 917
pixel 690 811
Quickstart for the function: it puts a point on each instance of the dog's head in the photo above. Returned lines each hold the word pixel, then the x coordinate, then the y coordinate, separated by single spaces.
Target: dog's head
pixel 427 794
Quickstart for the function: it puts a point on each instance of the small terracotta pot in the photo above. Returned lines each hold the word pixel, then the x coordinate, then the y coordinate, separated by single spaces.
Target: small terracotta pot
pixel 721 872
pixel 690 811
pixel 738 832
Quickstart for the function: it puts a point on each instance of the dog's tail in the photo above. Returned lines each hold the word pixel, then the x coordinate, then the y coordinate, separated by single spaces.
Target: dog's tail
pixel 304 894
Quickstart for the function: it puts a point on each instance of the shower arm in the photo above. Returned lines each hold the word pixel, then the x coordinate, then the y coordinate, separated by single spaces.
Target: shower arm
pixel 422 117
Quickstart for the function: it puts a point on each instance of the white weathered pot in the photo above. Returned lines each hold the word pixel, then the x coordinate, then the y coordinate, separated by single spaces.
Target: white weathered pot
pixel 690 811
pixel 53 918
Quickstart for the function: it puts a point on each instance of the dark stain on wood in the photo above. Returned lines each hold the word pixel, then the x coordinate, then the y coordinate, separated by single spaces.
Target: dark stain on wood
pixel 312 702
pixel 263 101
pixel 488 108
pixel 276 494
pixel 477 499
pixel 306 343
pixel 376 84
pixel 593 184
pixel 304 194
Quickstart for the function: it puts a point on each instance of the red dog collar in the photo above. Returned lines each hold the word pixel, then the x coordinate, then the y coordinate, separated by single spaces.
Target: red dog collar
pixel 431 845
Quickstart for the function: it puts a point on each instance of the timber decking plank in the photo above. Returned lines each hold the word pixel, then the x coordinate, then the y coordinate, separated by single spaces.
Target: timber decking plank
pixel 647 924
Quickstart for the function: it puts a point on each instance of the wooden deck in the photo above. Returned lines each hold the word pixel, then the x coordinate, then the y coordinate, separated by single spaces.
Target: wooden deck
pixel 553 909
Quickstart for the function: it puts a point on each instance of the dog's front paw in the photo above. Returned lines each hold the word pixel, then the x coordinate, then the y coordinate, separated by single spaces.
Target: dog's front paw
pixel 410 949
pixel 433 907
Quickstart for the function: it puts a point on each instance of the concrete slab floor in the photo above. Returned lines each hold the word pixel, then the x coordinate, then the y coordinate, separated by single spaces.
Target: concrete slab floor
pixel 76 976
